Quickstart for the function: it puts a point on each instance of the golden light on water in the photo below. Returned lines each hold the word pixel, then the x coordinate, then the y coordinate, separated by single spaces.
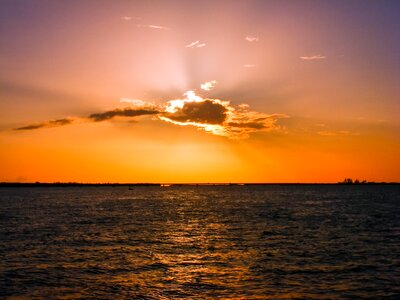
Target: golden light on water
pixel 267 87
pixel 138 141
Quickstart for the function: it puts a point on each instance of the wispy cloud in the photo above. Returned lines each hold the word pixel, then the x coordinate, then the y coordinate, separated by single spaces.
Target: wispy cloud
pixel 214 116
pixel 251 39
pixel 50 123
pixel 134 102
pixel 153 26
pixel 313 57
pixel 129 18
pixel 95 117
pixel 337 133
pixel 195 44
pixel 192 44
pixel 249 66
pixel 147 109
pixel 207 86
pixel 125 112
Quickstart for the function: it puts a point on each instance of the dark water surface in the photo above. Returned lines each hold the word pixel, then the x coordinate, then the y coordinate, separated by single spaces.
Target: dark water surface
pixel 206 242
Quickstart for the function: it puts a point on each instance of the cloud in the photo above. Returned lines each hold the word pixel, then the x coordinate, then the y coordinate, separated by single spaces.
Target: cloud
pixel 192 44
pixel 205 112
pixel 313 57
pixel 218 117
pixel 195 44
pixel 129 18
pixel 249 66
pixel 95 117
pixel 134 102
pixel 254 125
pixel 251 38
pixel 207 86
pixel 51 123
pixel 153 27
pixel 214 116
pixel 337 133
pixel 126 112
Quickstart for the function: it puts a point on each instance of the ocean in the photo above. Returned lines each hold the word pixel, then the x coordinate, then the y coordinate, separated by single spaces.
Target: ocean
pixel 200 242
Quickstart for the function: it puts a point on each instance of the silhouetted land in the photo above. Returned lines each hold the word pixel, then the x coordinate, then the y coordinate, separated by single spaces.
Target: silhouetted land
pixel 77 184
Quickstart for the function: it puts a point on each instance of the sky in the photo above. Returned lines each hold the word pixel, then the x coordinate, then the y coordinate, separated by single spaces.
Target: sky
pixel 199 91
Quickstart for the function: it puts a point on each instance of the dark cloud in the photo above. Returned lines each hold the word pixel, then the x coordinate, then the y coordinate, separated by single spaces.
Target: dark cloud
pixel 252 125
pixel 97 117
pixel 126 112
pixel 206 112
pixel 211 115
pixel 51 123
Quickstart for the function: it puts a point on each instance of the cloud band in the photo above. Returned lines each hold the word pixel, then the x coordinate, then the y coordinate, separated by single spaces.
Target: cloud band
pixel 211 115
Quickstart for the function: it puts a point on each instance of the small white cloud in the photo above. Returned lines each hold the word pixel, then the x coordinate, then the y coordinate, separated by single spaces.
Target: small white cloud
pixel 192 44
pixel 207 86
pixel 313 57
pixel 158 27
pixel 135 102
pixel 195 44
pixel 251 38
pixel 153 27
pixel 129 18
pixel 249 66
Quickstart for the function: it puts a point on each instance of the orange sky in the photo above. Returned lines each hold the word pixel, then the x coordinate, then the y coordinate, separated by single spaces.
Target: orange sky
pixel 89 86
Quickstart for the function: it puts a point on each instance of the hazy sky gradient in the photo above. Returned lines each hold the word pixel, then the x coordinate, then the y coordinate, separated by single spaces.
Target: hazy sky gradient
pixel 333 67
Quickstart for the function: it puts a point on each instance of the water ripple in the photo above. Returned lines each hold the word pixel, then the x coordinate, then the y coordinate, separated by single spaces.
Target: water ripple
pixel 205 242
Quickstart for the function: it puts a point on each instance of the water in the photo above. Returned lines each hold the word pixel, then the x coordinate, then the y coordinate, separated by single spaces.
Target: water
pixel 205 242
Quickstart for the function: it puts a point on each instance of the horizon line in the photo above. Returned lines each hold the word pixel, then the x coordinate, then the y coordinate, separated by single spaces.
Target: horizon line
pixel 164 184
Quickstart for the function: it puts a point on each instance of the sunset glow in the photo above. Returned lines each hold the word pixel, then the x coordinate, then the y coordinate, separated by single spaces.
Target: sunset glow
pixel 206 91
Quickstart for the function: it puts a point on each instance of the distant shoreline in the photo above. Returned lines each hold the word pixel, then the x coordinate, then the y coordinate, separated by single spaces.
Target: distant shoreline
pixel 76 184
